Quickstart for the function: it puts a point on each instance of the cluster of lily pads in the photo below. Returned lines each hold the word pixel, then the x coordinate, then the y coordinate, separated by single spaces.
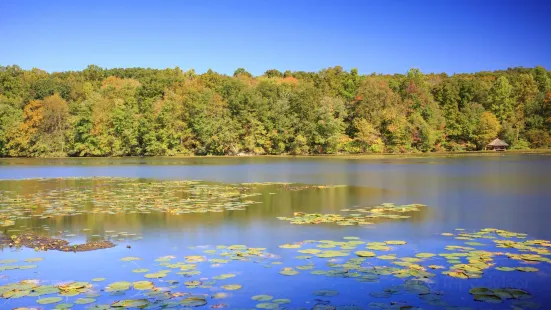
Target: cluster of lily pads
pixel 118 195
pixel 498 295
pixel 360 216
pixel 469 256
pixel 127 195
pixel 152 291
pixel 45 243
pixel 409 278
pixel 371 261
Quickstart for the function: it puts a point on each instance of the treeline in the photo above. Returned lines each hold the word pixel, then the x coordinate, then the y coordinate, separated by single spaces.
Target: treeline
pixel 135 111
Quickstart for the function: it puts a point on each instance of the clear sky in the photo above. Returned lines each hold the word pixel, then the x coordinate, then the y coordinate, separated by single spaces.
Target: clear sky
pixel 383 36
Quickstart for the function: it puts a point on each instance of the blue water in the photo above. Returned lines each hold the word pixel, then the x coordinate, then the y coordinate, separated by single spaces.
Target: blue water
pixel 510 192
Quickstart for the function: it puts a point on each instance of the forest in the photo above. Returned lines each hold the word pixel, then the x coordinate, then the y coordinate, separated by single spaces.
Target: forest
pixel 154 112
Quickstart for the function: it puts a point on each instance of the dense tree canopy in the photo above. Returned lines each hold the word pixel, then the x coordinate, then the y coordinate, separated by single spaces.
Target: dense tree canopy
pixel 135 111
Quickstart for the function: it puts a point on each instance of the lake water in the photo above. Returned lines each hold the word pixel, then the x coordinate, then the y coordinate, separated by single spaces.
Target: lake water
pixel 508 192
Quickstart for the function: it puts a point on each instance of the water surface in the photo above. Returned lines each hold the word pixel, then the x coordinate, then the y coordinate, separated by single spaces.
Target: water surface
pixel 509 192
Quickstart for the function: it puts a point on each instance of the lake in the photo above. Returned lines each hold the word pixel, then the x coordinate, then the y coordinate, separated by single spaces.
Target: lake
pixel 182 232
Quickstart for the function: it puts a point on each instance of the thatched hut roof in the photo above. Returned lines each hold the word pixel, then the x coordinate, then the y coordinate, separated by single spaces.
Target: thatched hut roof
pixel 498 142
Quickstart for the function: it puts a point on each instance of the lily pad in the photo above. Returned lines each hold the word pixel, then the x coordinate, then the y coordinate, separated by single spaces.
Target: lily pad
pixel 193 301
pixel 49 300
pixel 231 287
pixel 262 297
pixel 267 305
pixel 130 303
pixel 84 301
pixel 365 254
pixel 506 268
pixel 130 259
pixel 288 272
pixel 527 269
pixel 143 285
pixel 118 286
pixel 395 242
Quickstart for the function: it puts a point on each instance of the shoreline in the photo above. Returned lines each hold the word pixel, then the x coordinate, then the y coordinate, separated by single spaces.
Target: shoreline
pixel 336 156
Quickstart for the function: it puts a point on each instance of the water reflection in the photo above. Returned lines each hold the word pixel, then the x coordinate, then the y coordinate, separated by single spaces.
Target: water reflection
pixel 273 201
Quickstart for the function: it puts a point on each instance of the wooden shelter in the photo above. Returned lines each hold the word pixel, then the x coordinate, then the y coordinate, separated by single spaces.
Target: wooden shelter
pixel 497 145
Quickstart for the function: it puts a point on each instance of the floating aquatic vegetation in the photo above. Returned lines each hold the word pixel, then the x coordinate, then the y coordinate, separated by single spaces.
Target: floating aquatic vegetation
pixel 461 262
pixel 45 243
pixel 289 272
pixel 232 287
pixel 365 253
pixel 355 267
pixel 103 195
pixel 361 216
pixel 262 297
pixel 400 267
pixel 130 259
pixel 49 300
pixel 293 187
pixel 130 303
pixel 267 305
pixel 498 295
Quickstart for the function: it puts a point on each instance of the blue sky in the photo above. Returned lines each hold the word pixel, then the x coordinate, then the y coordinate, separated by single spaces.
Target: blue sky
pixel 383 36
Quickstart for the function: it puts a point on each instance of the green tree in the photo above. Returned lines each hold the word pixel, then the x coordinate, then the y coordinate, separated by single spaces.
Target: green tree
pixel 500 98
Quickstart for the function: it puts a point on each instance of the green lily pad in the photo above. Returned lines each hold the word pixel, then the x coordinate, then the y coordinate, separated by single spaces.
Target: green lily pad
pixel 331 254
pixel 32 260
pixel 143 285
pixel 387 257
pixel 118 286
pixel 481 291
pixel 527 269
pixel 49 300
pixel 193 283
pixel 505 269
pixel 364 253
pixel 224 276
pixel 155 275
pixel 231 287
pixel 424 255
pixel 395 242
pixel 290 246
pixel 262 297
pixel 84 301
pixel 193 301
pixel 288 272
pixel 130 303
pixel 267 305
pixel 130 259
